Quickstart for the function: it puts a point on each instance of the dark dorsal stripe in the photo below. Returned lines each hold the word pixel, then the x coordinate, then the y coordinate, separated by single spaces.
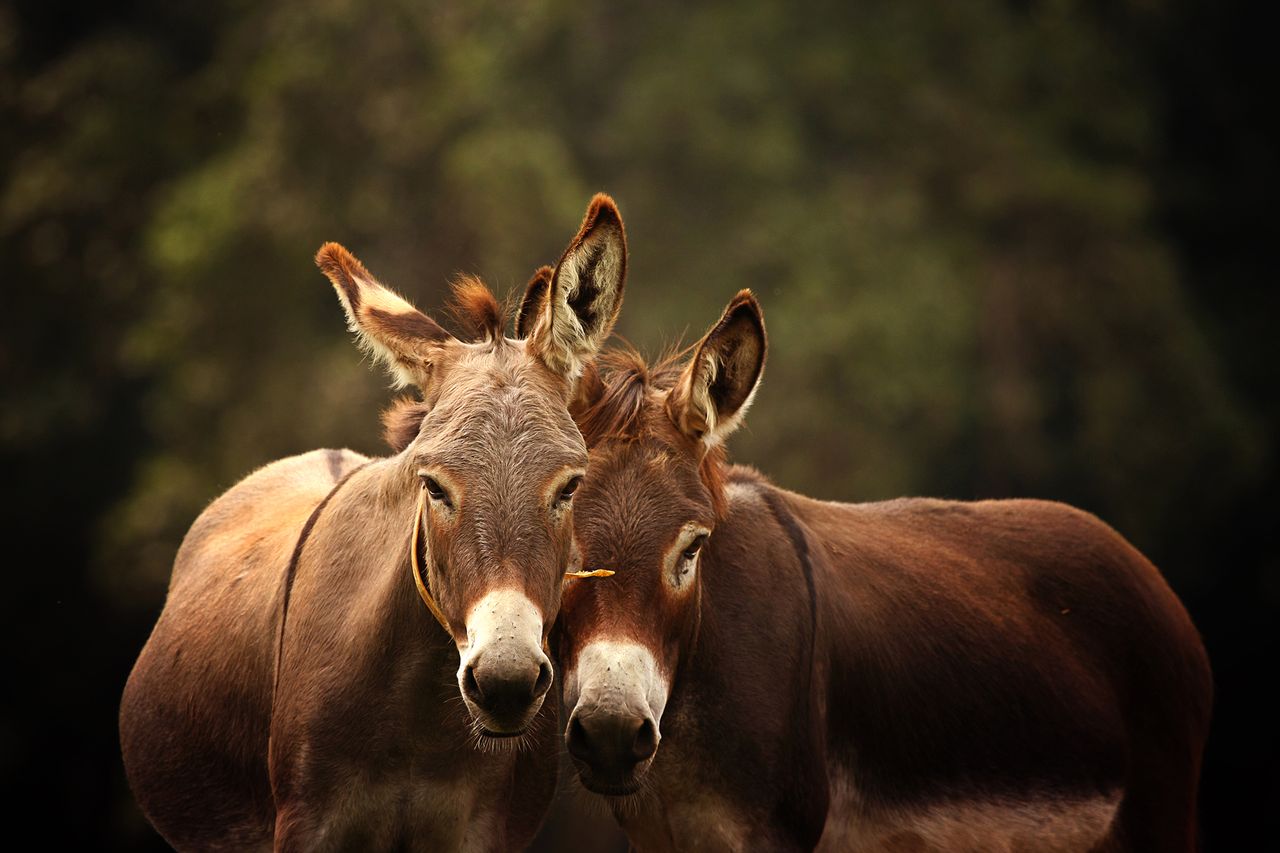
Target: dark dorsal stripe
pixel 334 460
pixel 803 807
pixel 801 546
pixel 292 570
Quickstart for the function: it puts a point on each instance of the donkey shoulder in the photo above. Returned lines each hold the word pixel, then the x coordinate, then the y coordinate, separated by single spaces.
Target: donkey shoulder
pixel 267 504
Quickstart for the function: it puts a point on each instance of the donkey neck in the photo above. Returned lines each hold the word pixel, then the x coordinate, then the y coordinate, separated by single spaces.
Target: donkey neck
pixel 758 583
pixel 743 720
pixel 356 626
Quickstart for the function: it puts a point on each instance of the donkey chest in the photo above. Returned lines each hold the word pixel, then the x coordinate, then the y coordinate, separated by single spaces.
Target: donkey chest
pixel 414 811
pixel 689 803
pixel 463 814
pixel 687 822
pixel 701 797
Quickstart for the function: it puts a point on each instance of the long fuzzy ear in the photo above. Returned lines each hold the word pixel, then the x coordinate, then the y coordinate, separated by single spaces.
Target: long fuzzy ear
pixel 396 333
pixel 535 296
pixel 585 292
pixel 716 387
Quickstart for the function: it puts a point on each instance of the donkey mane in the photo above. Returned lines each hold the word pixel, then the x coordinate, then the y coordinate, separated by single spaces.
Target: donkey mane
pixel 474 307
pixel 481 317
pixel 401 422
pixel 612 402
pixel 614 389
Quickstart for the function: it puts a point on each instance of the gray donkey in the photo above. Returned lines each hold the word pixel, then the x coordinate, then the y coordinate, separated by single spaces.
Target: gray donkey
pixel 296 693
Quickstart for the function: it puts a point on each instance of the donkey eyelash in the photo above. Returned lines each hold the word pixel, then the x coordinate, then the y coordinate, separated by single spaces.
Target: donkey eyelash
pixel 561 499
pixel 436 492
pixel 681 564
pixel 694 547
pixel 566 493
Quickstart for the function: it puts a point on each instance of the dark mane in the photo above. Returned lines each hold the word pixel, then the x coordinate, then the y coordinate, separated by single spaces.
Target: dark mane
pixel 475 309
pixel 401 422
pixel 614 390
pixel 612 399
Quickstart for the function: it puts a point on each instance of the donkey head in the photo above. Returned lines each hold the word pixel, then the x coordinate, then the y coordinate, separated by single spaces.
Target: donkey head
pixel 490 457
pixel 647 510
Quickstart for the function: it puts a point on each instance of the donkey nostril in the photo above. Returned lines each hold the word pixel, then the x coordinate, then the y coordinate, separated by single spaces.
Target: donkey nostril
pixel 544 680
pixel 579 746
pixel 611 744
pixel 470 686
pixel 646 741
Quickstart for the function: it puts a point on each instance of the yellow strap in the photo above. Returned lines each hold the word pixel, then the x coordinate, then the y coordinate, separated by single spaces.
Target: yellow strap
pixel 417 571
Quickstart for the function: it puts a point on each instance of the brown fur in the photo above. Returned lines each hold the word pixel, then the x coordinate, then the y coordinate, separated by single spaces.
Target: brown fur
pixel 620 381
pixel 477 309
pixel 722 374
pixel 613 408
pixel 337 722
pixel 401 422
pixel 344 270
pixel 916 674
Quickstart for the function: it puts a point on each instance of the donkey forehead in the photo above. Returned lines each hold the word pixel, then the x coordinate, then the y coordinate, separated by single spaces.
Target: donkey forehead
pixel 636 498
pixel 494 409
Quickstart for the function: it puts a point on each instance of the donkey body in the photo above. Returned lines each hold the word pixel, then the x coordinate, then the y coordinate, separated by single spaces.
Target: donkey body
pixel 361 748
pixel 768 671
pixel 295 692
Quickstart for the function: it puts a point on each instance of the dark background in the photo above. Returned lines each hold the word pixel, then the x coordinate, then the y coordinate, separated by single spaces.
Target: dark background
pixel 1004 249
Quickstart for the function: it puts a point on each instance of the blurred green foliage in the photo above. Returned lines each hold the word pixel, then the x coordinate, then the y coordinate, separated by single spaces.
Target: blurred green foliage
pixel 945 216
pixel 955 216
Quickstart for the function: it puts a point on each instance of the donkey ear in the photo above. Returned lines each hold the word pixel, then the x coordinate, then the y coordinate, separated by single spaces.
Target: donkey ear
pixel 396 333
pixel 585 292
pixel 715 389
pixel 535 296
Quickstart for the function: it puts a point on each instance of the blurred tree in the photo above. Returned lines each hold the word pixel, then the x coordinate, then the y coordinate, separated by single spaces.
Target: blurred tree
pixel 982 256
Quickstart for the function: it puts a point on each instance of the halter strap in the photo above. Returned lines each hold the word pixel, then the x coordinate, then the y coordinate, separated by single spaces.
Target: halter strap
pixel 423 583
pixel 424 589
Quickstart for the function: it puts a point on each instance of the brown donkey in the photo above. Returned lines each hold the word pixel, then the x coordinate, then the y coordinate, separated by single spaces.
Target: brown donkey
pixel 908 676
pixel 296 692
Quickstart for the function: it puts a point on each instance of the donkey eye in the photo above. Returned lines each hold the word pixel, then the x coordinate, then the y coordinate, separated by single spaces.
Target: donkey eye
pixel 566 494
pixel 436 492
pixel 694 547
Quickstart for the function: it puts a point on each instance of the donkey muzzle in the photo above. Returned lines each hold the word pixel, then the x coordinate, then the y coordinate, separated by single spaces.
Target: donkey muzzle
pixel 618 694
pixel 504 674
pixel 615 748
pixel 508 688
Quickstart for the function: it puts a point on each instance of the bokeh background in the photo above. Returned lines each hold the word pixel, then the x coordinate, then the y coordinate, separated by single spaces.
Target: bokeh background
pixel 1004 249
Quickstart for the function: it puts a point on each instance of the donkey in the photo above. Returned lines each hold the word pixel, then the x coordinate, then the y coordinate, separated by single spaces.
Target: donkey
pixel 912 675
pixel 296 693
